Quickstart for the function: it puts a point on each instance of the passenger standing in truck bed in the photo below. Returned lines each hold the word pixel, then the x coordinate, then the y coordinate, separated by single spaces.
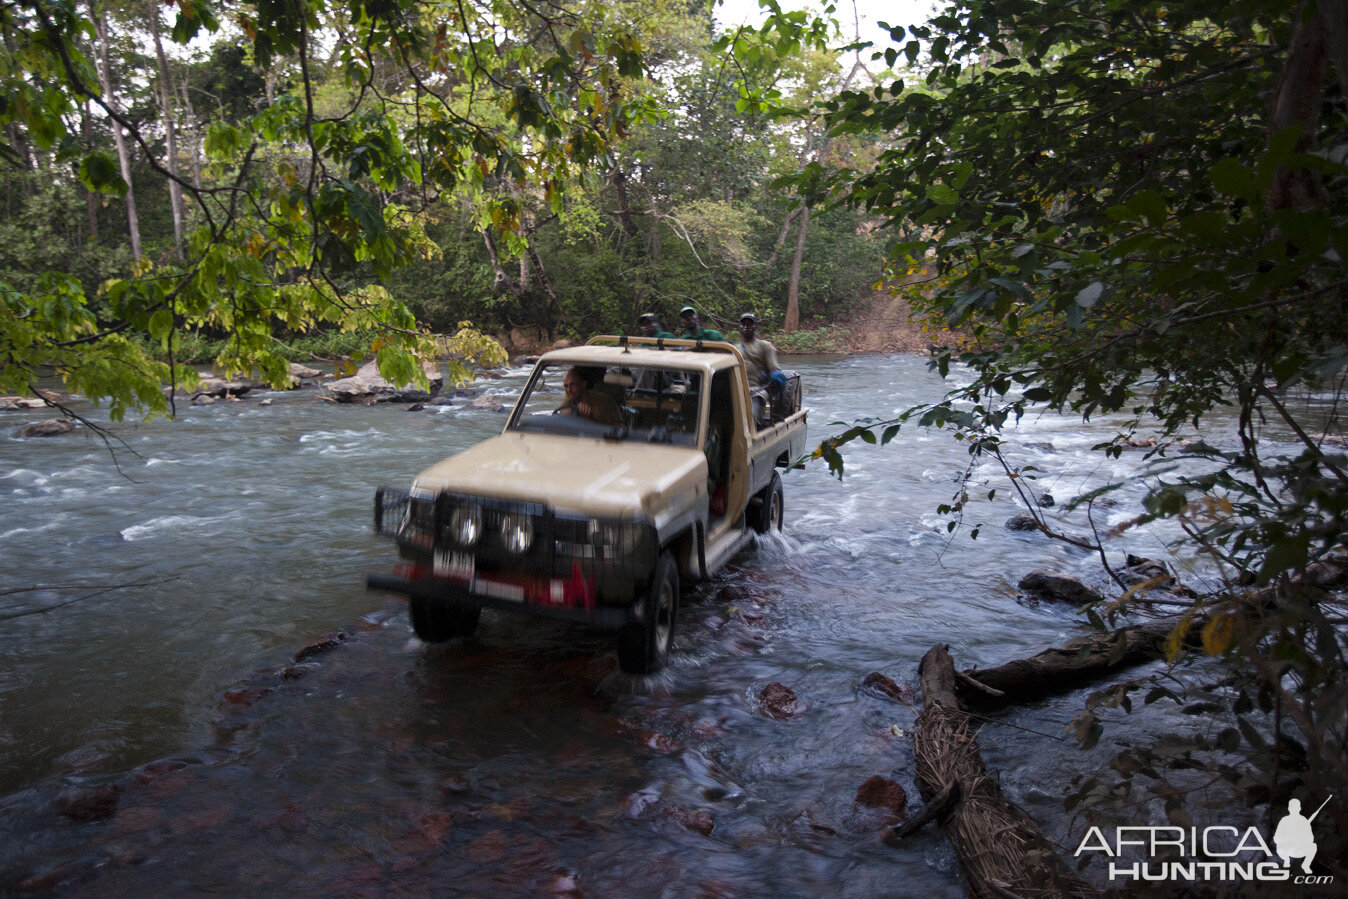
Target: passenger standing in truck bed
pixel 760 357
pixel 760 366
pixel 648 325
pixel 692 326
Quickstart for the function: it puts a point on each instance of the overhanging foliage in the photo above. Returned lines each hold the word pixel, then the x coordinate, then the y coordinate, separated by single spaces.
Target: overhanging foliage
pixel 1141 208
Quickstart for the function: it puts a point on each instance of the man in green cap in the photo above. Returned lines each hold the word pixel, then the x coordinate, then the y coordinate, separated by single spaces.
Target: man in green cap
pixel 649 326
pixel 692 327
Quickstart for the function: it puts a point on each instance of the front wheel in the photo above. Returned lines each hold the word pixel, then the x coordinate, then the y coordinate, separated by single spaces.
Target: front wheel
pixel 437 621
pixel 643 646
pixel 765 511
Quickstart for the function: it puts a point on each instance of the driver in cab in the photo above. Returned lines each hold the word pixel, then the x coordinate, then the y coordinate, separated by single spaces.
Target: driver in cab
pixel 583 400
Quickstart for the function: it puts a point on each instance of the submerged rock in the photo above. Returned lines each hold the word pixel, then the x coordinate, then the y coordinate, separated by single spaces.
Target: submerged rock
pixel 97 804
pixel 697 820
pixel 52 427
pixel 884 685
pixel 489 403
pixel 1059 587
pixel 780 702
pixel 881 792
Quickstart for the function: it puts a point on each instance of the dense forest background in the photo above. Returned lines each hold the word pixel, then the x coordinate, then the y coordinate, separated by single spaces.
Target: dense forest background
pixel 683 210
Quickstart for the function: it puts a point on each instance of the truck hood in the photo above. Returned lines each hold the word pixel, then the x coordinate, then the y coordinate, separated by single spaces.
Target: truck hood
pixel 600 478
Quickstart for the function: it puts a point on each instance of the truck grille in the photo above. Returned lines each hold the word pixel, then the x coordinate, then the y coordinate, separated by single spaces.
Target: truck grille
pixel 491 531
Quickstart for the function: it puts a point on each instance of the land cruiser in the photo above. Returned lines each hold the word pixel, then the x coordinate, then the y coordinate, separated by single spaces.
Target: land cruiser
pixel 598 522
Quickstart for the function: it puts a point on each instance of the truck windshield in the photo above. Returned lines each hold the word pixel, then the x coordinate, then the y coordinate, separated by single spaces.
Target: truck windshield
pixel 631 403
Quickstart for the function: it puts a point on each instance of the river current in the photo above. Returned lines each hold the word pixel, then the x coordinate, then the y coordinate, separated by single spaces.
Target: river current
pixel 199 695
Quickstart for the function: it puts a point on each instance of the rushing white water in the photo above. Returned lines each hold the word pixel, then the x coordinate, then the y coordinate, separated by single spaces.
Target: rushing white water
pixel 180 576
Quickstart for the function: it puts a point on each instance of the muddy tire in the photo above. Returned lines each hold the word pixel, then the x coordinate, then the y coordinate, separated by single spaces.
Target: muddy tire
pixel 643 646
pixel 436 621
pixel 765 509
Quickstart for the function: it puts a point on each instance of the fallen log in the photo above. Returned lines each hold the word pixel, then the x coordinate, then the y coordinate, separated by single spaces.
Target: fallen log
pixel 1084 659
pixel 1066 667
pixel 1001 850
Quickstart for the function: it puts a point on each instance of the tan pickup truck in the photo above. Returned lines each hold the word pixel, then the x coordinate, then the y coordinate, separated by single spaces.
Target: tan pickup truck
pixel 596 511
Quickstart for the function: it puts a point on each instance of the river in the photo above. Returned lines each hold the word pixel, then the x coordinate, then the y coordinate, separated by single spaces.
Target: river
pixel 213 702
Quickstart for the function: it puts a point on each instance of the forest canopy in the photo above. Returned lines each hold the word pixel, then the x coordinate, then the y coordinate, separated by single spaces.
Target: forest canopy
pixel 252 172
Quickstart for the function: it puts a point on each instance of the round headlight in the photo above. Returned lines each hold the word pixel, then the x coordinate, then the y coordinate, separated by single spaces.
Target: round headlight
pixel 611 534
pixel 465 525
pixel 517 532
pixel 601 534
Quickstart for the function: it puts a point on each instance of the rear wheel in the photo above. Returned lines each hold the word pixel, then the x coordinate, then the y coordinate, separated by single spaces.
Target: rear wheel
pixel 765 512
pixel 436 621
pixel 643 646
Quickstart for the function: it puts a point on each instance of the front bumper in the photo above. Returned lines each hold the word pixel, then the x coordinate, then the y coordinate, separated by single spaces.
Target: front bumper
pixel 570 600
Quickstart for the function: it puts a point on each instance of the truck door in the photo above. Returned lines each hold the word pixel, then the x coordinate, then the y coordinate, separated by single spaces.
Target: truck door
pixel 728 471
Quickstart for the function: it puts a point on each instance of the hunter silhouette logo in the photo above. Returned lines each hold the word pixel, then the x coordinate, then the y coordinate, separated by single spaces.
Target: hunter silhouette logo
pixel 1293 838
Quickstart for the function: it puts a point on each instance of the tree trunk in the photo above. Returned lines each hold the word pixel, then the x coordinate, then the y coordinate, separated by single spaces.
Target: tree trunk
pixel 193 133
pixel 91 200
pixel 1296 102
pixel 1001 849
pixel 792 321
pixel 119 139
pixel 539 302
pixel 625 219
pixel 171 132
pixel 1334 21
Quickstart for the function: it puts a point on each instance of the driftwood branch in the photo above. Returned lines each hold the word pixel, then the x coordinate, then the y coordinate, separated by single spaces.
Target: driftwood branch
pixel 1088 658
pixel 937 808
pixel 1067 667
pixel 1001 849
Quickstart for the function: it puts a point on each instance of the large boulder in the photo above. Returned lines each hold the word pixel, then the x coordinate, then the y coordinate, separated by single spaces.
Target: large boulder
pixel 1054 585
pixel 366 386
pixel 219 388
pixel 489 403
pixel 52 427
pixel 12 403
pixel 303 375
pixel 1138 570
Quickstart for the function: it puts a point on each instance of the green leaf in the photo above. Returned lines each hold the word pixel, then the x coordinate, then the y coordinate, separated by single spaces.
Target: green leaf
pixel 1151 206
pixel 1088 296
pixel 1232 178
pixel 100 174
pixel 942 194
pixel 161 325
